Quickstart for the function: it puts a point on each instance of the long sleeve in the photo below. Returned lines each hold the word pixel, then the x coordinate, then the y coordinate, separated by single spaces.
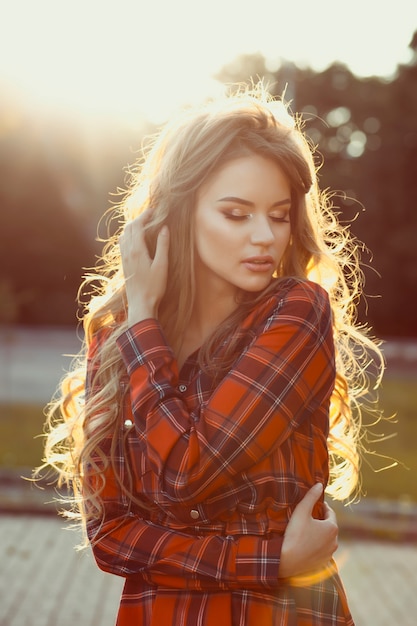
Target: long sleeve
pixel 276 384
pixel 127 544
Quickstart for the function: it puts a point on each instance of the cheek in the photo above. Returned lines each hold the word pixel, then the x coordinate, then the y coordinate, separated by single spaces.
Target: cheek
pixel 288 233
pixel 212 234
pixel 283 237
pixel 283 242
pixel 212 249
pixel 205 243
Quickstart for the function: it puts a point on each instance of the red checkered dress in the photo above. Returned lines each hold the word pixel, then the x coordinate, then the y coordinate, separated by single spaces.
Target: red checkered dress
pixel 220 466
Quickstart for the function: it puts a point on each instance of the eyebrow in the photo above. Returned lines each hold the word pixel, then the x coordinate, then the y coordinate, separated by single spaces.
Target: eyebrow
pixel 251 204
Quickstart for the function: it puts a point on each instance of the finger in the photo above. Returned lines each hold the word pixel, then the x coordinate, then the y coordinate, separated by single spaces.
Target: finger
pixel 331 522
pixel 310 499
pixel 133 237
pixel 144 216
pixel 329 514
pixel 127 233
pixel 162 247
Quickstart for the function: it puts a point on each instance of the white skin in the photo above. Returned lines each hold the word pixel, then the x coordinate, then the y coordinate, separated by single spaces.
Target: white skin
pixel 242 228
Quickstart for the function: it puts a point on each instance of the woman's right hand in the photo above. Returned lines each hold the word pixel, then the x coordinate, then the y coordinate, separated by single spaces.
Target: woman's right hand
pixel 145 277
pixel 308 543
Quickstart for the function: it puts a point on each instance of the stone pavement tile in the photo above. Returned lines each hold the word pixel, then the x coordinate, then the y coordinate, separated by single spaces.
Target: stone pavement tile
pixel 44 581
pixel 33 360
pixel 52 349
pixel 381 582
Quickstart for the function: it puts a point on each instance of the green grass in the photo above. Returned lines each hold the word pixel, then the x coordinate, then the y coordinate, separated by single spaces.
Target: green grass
pixel 398 398
pixel 21 446
pixel 20 427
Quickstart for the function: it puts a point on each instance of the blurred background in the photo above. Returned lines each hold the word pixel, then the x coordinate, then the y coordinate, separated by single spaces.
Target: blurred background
pixel 81 85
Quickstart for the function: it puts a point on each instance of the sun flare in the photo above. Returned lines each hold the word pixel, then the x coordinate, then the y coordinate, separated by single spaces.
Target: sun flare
pixel 134 59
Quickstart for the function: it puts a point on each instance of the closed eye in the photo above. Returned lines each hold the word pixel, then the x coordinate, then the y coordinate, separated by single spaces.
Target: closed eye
pixel 280 218
pixel 240 217
pixel 237 216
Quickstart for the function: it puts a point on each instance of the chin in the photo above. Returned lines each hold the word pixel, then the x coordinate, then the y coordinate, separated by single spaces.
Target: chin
pixel 256 288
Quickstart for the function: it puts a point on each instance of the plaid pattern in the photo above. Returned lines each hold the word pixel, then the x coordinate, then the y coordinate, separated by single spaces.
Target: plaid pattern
pixel 219 467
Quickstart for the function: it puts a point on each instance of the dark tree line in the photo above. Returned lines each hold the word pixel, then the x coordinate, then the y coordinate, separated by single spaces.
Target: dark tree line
pixel 366 133
pixel 55 181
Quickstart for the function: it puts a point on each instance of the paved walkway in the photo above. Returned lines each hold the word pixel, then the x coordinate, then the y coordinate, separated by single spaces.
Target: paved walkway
pixel 45 582
pixel 33 360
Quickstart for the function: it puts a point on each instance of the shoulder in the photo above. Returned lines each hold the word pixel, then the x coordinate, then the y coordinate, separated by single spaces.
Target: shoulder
pixel 307 293
pixel 296 304
pixel 297 293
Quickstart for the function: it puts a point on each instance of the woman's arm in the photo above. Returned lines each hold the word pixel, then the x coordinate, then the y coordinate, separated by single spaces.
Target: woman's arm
pixel 127 545
pixel 283 377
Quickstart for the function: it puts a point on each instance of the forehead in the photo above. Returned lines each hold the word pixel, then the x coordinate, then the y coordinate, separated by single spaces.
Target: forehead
pixel 249 175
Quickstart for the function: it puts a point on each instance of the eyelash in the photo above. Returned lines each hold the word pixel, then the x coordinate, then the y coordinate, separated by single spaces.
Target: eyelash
pixel 241 218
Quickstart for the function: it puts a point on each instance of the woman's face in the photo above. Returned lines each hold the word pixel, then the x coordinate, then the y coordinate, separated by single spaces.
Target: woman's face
pixel 242 226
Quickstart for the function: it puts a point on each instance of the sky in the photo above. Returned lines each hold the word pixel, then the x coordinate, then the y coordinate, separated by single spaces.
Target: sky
pixel 132 58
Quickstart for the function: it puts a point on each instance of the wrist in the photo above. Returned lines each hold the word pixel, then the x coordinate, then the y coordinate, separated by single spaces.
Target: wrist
pixel 285 563
pixel 289 563
pixel 139 314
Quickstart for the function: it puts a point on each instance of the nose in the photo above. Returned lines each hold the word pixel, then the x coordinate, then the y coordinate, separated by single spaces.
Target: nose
pixel 261 233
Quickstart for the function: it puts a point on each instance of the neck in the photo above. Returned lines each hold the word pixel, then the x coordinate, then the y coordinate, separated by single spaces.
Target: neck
pixel 210 309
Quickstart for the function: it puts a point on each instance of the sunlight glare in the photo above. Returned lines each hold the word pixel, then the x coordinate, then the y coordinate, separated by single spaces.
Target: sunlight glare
pixel 130 59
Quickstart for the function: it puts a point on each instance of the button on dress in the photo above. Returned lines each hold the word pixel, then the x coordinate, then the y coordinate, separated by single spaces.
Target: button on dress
pixel 217 468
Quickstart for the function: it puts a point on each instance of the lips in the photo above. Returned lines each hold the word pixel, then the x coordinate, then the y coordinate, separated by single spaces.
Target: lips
pixel 259 263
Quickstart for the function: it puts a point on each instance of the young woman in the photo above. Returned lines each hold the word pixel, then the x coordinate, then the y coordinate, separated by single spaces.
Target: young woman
pixel 223 376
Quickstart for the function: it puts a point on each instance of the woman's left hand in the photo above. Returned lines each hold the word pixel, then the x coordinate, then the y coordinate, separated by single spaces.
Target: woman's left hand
pixel 145 278
pixel 308 543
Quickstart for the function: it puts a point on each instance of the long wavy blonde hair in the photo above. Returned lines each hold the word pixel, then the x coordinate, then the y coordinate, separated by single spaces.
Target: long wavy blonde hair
pixel 167 178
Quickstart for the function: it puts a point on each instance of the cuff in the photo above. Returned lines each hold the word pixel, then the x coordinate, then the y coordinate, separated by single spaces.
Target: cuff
pixel 257 561
pixel 143 342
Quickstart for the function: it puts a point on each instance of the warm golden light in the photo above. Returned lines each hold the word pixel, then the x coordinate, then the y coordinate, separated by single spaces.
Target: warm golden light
pixel 134 58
